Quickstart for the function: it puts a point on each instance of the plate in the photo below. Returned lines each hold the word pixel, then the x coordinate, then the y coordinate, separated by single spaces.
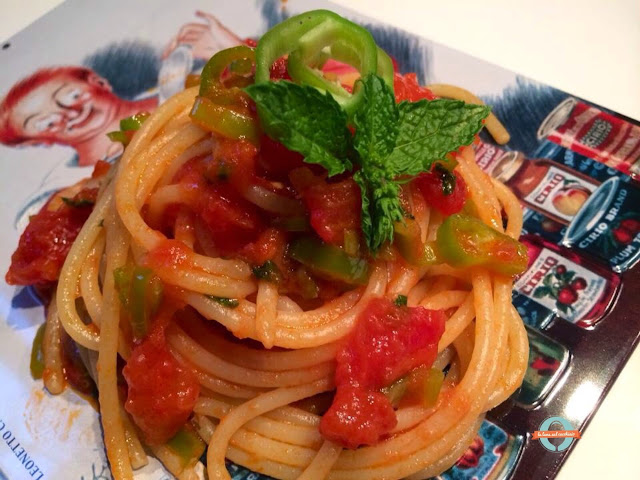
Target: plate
pixel 130 62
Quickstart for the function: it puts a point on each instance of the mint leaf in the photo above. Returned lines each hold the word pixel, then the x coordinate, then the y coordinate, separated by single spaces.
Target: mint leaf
pixel 380 206
pixel 376 121
pixel 428 130
pixel 306 121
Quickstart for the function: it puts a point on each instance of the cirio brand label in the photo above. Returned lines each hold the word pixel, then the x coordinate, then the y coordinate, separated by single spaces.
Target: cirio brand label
pixel 608 225
pixel 564 287
pixel 560 193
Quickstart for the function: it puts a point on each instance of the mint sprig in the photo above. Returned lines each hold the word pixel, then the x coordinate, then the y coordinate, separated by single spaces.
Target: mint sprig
pixel 306 121
pixel 390 141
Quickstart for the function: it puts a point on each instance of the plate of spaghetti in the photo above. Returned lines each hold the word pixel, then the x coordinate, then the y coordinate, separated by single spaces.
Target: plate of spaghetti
pixel 296 266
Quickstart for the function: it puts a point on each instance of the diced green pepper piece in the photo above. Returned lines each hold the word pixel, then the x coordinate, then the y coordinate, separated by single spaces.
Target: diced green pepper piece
pixel 432 386
pixel 465 241
pixel 134 122
pixel 187 444
pixel 37 356
pixel 396 391
pixel 408 241
pixel 140 292
pixel 329 262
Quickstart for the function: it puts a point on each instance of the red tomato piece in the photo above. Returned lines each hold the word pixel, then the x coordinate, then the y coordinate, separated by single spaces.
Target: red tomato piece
pixel 269 244
pixel 386 343
pixel 235 160
pixel 100 169
pixel 279 71
pixel 358 417
pixel 169 254
pixel 46 241
pixel 334 208
pixel 161 392
pixel 406 87
pixel 430 184
pixel 231 220
pixel 276 160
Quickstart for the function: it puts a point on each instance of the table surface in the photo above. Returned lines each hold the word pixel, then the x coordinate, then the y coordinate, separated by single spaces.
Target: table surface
pixel 586 47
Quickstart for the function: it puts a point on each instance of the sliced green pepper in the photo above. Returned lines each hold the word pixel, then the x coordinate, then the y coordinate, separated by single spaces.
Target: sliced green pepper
pixel 407 240
pixel 465 241
pixel 187 444
pixel 310 39
pixel 329 262
pixel 236 60
pixel 128 126
pixel 37 356
pixel 223 120
pixel 140 292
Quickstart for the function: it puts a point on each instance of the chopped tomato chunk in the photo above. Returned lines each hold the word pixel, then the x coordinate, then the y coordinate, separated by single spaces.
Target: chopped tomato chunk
pixel 334 208
pixel 169 254
pixel 277 160
pixel 234 162
pixel 387 342
pixel 431 186
pixel 406 87
pixel 100 169
pixel 231 220
pixel 46 241
pixel 161 392
pixel 268 245
pixel 358 417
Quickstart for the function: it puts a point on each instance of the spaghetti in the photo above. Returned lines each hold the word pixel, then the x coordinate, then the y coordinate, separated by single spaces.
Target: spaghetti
pixel 260 402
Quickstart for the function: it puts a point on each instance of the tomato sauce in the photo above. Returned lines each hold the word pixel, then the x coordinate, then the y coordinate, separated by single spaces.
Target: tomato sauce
pixel 387 342
pixel 333 209
pixel 161 392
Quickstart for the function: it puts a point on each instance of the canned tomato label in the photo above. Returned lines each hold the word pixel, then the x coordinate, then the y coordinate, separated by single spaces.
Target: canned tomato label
pixel 487 156
pixel 594 133
pixel 560 193
pixel 564 284
pixel 608 225
pixel 544 185
pixel 535 223
pixel 492 454
pixel 579 163
pixel 547 362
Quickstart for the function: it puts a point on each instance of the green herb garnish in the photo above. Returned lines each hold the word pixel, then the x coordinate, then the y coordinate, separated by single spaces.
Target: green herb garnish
pixel 224 301
pixel 78 202
pixel 268 271
pixel 401 301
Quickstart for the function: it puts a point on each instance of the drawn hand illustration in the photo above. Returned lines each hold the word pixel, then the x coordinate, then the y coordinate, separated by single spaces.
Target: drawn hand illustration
pixel 205 39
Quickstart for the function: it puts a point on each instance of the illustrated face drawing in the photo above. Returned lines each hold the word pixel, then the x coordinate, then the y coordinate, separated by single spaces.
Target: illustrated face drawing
pixel 67 105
